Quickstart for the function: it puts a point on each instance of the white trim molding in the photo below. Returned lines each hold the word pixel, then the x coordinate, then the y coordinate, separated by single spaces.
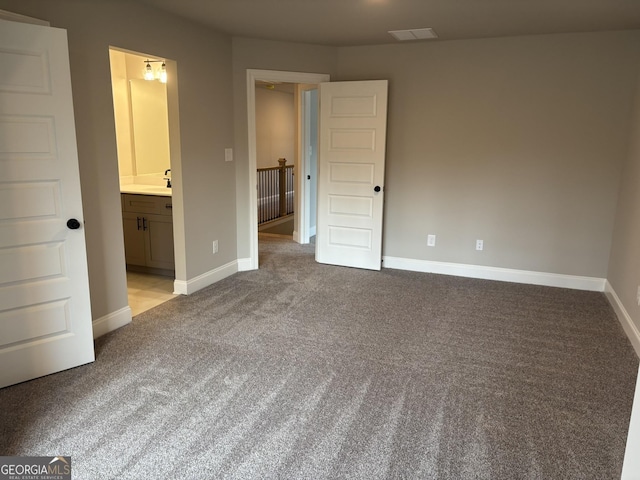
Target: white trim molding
pixel 631 464
pixel 623 316
pixel 297 236
pixel 496 273
pixel 112 322
pixel 245 264
pixel 187 287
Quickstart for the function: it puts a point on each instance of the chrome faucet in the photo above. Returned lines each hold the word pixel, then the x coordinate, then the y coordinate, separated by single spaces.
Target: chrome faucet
pixel 168 179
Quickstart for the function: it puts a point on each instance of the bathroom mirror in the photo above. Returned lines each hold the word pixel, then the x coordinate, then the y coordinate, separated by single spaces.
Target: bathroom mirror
pixel 141 117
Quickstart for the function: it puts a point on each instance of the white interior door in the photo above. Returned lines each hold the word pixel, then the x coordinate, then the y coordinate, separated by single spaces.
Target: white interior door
pixel 45 314
pixel 353 124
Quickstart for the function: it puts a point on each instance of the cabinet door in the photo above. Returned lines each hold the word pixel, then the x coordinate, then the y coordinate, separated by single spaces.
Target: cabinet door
pixel 159 241
pixel 134 242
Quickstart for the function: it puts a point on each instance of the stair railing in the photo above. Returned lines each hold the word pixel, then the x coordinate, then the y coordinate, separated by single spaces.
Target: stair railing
pixel 275 192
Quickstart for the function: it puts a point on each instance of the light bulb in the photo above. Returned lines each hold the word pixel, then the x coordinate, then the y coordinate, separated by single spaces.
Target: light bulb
pixel 148 72
pixel 163 73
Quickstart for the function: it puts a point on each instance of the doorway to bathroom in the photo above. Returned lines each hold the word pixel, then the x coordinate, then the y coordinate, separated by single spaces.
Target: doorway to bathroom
pixel 139 88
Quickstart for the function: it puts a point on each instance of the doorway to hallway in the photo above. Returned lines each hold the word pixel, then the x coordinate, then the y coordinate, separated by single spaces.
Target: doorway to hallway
pixel 306 119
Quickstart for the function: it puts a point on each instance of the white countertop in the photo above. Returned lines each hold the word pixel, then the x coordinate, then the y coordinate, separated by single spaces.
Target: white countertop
pixel 145 190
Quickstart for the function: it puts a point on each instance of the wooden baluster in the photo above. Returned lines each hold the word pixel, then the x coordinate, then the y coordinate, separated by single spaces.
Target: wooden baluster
pixel 282 162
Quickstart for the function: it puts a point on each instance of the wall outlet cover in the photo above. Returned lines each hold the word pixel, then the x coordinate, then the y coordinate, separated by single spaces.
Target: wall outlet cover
pixel 431 240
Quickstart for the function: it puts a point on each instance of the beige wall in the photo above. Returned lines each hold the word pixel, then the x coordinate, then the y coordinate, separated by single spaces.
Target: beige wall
pixel 264 55
pixel 624 267
pixel 275 127
pixel 516 141
pixel 122 112
pixel 206 204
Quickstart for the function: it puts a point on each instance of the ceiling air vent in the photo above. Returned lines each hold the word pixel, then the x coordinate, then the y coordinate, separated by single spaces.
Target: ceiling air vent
pixel 414 34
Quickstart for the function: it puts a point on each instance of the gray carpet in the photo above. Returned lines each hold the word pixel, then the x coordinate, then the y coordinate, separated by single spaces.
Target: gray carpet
pixel 301 370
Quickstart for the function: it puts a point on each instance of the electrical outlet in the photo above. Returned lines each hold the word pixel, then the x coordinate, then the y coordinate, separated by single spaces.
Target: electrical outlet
pixel 431 240
pixel 215 247
pixel 479 244
pixel 228 154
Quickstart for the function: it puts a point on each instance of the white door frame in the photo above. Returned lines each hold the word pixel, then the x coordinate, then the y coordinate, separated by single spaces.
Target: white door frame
pixel 180 258
pixel 271 76
pixel 302 224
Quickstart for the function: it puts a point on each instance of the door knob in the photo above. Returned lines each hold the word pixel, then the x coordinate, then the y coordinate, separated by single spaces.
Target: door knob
pixel 377 188
pixel 73 224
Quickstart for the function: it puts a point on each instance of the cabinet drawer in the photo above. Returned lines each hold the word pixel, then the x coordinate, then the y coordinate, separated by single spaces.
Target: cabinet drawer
pixel 151 204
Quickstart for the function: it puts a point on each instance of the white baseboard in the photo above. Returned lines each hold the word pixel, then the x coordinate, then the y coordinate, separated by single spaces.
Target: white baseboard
pixel 244 265
pixel 112 322
pixel 495 273
pixel 188 287
pixel 625 319
pixel 297 237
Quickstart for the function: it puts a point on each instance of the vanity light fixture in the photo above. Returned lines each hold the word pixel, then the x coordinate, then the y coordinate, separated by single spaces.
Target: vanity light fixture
pixel 159 74
pixel 163 73
pixel 148 71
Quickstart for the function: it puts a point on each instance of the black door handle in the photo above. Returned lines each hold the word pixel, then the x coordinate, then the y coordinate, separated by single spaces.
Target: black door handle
pixel 73 224
pixel 377 188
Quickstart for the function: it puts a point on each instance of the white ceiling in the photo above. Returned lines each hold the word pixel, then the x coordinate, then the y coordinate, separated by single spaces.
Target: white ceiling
pixel 366 22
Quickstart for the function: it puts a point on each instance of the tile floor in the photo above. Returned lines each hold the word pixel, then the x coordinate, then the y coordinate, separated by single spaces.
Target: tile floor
pixel 147 291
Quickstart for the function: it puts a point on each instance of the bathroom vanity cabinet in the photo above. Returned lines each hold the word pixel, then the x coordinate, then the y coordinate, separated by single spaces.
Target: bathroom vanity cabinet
pixel 148 233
